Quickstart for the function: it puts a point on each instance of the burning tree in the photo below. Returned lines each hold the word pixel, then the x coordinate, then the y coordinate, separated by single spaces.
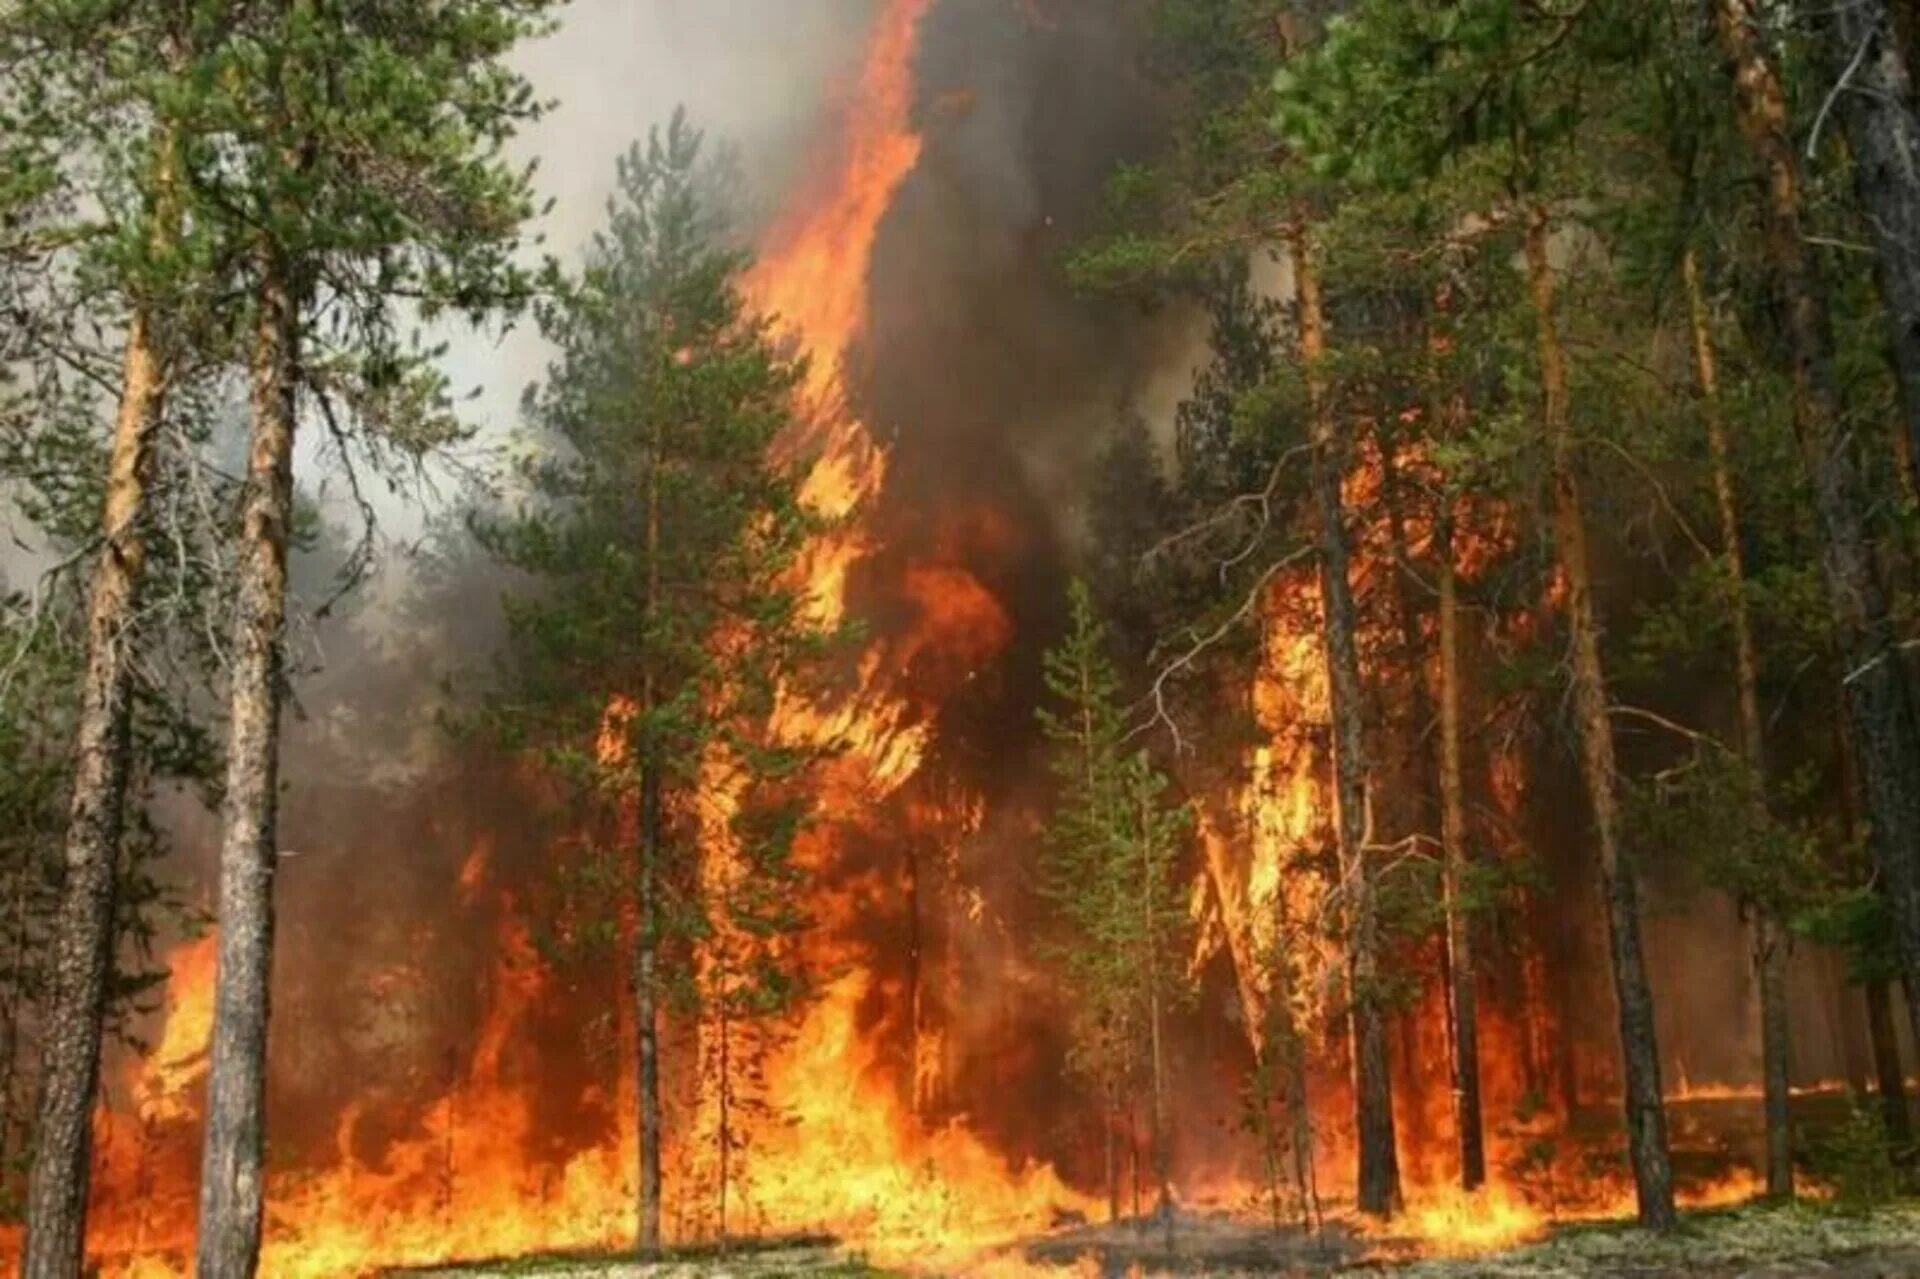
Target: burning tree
pixel 666 622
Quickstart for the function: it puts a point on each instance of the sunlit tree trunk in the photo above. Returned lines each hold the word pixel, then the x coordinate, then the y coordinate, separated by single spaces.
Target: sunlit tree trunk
pixel 69 1040
pixel 1379 1173
pixel 1769 937
pixel 83 935
pixel 232 1179
pixel 1639 1050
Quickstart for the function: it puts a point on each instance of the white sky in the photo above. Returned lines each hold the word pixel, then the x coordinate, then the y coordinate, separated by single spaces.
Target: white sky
pixel 753 73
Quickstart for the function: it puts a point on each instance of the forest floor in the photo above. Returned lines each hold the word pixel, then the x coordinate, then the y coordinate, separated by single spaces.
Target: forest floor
pixel 1753 1242
pixel 1756 1242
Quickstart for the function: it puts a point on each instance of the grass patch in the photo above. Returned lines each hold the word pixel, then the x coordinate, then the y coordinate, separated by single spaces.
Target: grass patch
pixel 1707 1243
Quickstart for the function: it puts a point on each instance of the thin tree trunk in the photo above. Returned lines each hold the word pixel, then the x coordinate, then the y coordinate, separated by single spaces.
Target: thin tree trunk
pixel 1149 901
pixel 1869 67
pixel 726 1109
pixel 232 1180
pixel 1769 937
pixel 647 926
pixel 1420 715
pixel 83 936
pixel 1639 1050
pixel 1881 717
pixel 1113 1154
pixel 14 1122
pixel 1463 1005
pixel 1292 1071
pixel 1379 1173
pixel 647 1014
pixel 1133 1163
pixel 1847 1021
pixel 1891 1082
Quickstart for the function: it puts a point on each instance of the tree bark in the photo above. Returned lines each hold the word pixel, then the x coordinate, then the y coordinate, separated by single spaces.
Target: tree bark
pixel 1463 1009
pixel 1639 1049
pixel 83 936
pixel 1875 99
pixel 1112 1124
pixel 1880 712
pixel 647 925
pixel 232 1180
pixel 1769 936
pixel 647 1016
pixel 1379 1173
pixel 1149 900
pixel 1890 1081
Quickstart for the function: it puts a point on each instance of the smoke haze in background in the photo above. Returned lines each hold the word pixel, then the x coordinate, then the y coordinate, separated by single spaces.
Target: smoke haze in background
pixel 991 383
pixel 754 74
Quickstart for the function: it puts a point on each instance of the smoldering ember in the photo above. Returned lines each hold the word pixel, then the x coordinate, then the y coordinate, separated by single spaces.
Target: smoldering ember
pixel 959 637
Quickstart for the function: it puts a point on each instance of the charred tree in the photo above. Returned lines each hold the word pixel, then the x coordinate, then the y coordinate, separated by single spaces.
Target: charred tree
pixel 232 1179
pixel 1880 712
pixel 1379 1173
pixel 1769 935
pixel 1639 1050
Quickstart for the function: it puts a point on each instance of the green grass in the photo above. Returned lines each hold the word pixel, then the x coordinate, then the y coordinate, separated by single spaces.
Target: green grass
pixel 1707 1242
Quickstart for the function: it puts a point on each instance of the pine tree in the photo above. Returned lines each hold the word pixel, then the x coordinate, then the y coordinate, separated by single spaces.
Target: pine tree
pixel 1374 112
pixel 356 155
pixel 668 622
pixel 1881 715
pixel 93 109
pixel 1111 860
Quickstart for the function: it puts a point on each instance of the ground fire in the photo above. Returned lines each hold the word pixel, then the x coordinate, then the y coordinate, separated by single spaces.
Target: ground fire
pixel 1346 686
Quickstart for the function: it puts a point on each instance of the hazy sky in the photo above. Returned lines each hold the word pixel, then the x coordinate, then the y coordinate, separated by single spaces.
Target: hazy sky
pixel 751 72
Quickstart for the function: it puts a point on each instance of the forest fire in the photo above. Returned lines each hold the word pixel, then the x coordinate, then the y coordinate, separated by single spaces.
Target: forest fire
pixel 841 1151
pixel 920 1102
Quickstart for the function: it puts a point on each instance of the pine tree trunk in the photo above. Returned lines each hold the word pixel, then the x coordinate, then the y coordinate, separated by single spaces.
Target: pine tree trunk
pixel 1150 903
pixel 1420 717
pixel 1463 1005
pixel 1880 712
pixel 1113 1154
pixel 1639 1050
pixel 1769 938
pixel 1284 1037
pixel 1890 1081
pixel 232 1180
pixel 83 936
pixel 1846 1021
pixel 647 1015
pixel 1877 106
pixel 1379 1174
pixel 647 926
pixel 725 1125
